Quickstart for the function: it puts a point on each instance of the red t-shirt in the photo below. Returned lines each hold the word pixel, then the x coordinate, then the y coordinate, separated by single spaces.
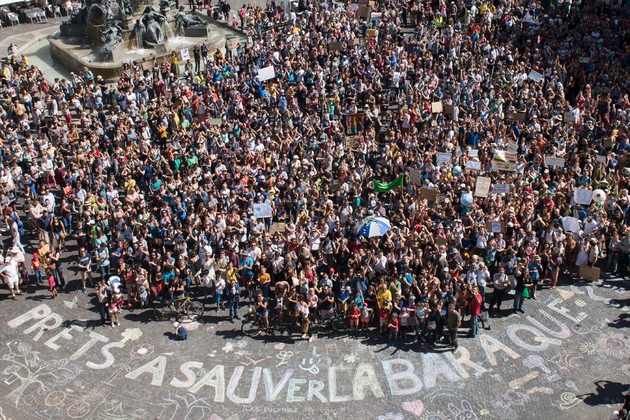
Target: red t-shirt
pixel 394 324
pixel 384 313
pixel 354 313
pixel 475 305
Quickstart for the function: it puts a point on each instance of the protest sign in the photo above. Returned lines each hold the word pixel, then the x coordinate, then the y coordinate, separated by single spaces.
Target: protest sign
pixel 415 176
pixel 266 73
pixel 436 107
pixel 185 54
pixel 535 76
pixel 554 161
pixel 582 196
pixel 473 153
pixel 262 211
pixel 428 194
pixel 602 159
pixel 501 188
pixel 443 158
pixel 473 164
pixel 571 224
pixel 482 187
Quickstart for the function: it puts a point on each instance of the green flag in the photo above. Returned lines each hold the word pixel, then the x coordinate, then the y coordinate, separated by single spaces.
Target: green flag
pixel 380 187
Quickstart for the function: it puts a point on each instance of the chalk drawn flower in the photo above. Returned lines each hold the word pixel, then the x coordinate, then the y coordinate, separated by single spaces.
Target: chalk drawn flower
pixel 350 358
pixel 142 351
pixel 588 347
pixel 228 347
pixel 613 344
pixel 391 416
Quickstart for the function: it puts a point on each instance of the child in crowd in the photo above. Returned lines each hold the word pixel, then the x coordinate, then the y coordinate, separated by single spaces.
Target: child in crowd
pixel 393 329
pixel 354 314
pixel 36 265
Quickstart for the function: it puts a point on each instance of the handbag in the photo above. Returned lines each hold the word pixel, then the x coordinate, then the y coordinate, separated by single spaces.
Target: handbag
pixel 526 292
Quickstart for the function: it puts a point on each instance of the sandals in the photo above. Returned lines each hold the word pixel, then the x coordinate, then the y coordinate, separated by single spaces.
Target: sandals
pixel 15 297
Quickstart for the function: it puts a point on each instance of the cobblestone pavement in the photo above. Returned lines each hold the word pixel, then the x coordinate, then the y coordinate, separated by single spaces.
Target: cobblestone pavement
pixel 566 357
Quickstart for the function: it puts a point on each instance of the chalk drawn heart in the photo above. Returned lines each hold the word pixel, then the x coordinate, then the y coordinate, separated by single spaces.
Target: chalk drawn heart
pixel 415 407
pixel 279 346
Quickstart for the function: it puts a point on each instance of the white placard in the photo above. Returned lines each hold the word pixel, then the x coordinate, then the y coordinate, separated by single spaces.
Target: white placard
pixel 473 164
pixel 266 73
pixel 554 161
pixel 185 54
pixel 535 76
pixel 473 153
pixel 444 158
pixel 512 147
pixel 262 211
pixel 602 159
pixel 571 224
pixel 582 196
pixel 496 227
pixel 501 188
pixel 482 187
pixel 415 176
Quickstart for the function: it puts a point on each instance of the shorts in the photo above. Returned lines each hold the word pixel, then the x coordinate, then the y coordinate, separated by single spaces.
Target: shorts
pixel 354 322
pixel 365 320
pixel 342 307
pixel 12 283
pixel 130 287
pixel 393 332
pixel 264 314
pixel 383 322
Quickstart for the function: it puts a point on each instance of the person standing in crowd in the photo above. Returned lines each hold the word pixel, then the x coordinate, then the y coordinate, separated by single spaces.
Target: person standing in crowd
pixel 454 322
pixel 500 282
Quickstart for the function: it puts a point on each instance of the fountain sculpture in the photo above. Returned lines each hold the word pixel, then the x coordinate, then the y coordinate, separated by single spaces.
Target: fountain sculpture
pixel 102 34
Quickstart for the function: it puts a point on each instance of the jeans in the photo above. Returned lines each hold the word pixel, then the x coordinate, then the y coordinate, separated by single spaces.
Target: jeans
pixel 453 336
pixel 58 274
pixel 104 312
pixel 38 276
pixel 474 325
pixel 265 290
pixel 518 300
pixel 67 223
pixel 613 260
pixel 233 308
pixel 105 271
pixel 421 330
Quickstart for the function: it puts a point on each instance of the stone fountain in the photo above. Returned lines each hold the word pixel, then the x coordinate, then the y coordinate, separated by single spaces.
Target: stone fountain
pixel 104 34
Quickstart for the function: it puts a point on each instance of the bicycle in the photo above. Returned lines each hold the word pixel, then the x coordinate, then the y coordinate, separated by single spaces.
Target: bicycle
pixel 253 325
pixel 333 321
pixel 183 306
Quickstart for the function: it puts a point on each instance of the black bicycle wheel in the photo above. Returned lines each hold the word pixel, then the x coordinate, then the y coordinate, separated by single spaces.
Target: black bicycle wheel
pixel 282 333
pixel 338 324
pixel 193 310
pixel 314 326
pixel 163 312
pixel 250 328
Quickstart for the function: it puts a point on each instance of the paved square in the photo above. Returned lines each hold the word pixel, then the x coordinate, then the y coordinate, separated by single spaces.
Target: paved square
pixel 566 357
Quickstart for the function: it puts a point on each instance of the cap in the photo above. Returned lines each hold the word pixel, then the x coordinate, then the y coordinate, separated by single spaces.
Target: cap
pixel 347 287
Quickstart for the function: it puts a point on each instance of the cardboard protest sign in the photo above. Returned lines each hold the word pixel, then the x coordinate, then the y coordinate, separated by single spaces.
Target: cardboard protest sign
pixel 437 107
pixel 608 143
pixel 440 240
pixel 482 187
pixel 363 11
pixel 216 121
pixel 262 211
pixel 512 147
pixel 473 164
pixel 501 188
pixel 266 73
pixel 554 161
pixel 277 228
pixel 516 116
pixel 589 273
pixel 415 176
pixel 448 109
pixel 335 46
pixel 571 224
pixel 428 194
pixel 371 33
pixel 535 76
pixel 352 142
pixel 473 153
pixel 582 196
pixel 602 159
pixel 443 158
pixel 504 161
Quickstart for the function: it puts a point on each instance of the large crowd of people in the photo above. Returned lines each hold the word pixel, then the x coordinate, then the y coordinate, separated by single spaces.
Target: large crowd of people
pixel 199 176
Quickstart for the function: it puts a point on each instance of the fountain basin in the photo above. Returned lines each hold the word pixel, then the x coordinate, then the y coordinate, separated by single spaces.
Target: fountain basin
pixel 69 50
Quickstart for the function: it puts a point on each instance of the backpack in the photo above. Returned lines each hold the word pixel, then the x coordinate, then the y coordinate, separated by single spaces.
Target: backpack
pixel 182 334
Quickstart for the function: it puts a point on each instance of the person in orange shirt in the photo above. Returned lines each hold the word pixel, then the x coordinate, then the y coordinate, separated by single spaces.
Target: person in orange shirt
pixel 264 279
pixel 354 313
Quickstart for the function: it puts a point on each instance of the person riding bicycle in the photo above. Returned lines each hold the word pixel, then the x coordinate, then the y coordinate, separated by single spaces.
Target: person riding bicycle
pixel 260 304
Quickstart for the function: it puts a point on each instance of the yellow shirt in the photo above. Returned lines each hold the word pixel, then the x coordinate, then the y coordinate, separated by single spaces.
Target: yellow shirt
pixel 382 296
pixel 264 278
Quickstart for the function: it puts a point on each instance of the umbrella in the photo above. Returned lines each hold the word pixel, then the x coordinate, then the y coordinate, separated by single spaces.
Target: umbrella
pixel 373 226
